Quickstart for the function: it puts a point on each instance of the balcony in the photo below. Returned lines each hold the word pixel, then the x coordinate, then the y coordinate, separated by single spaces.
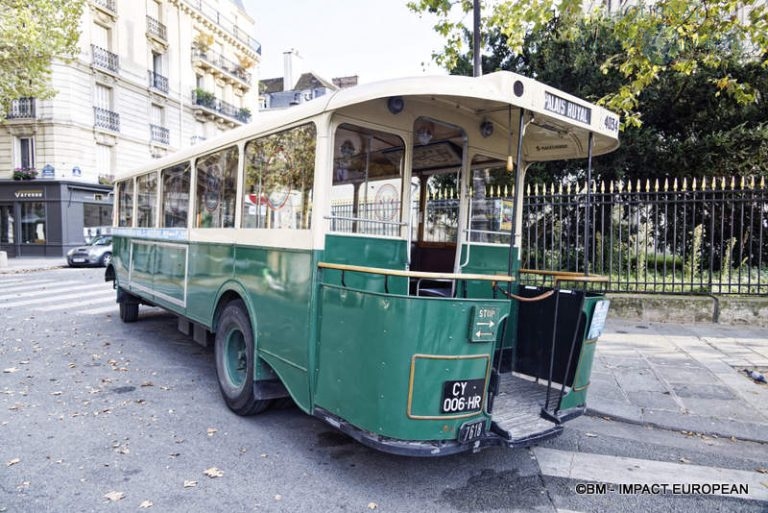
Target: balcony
pixel 222 68
pixel 106 119
pixel 105 60
pixel 213 109
pixel 202 9
pixel 157 33
pixel 105 10
pixel 159 134
pixel 23 108
pixel 158 82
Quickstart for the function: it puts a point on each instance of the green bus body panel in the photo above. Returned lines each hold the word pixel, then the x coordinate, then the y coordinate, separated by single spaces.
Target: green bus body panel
pixel 366 348
pixel 369 252
pixel 275 284
pixel 577 396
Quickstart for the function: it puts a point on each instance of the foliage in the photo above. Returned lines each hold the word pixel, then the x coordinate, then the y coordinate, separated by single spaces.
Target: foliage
pixel 655 38
pixel 688 128
pixel 33 33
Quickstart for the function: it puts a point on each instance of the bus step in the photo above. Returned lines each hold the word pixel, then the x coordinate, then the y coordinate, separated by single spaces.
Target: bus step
pixel 517 409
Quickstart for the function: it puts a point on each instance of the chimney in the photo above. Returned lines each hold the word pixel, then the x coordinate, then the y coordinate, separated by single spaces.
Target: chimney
pixel 292 69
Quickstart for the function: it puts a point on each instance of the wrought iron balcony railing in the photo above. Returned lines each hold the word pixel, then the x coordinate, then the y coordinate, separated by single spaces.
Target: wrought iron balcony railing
pixel 109 5
pixel 159 134
pixel 210 102
pixel 103 118
pixel 222 63
pixel 158 81
pixel 222 21
pixel 23 108
pixel 157 29
pixel 105 59
pixel 196 139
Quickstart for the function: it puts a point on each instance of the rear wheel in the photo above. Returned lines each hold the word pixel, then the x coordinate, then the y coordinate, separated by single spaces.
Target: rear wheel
pixel 106 259
pixel 235 359
pixel 129 311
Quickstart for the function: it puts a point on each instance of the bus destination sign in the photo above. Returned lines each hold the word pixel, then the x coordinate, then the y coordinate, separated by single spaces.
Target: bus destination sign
pixel 567 108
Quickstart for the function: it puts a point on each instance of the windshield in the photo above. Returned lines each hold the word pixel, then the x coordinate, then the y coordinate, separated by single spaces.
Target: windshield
pixel 101 241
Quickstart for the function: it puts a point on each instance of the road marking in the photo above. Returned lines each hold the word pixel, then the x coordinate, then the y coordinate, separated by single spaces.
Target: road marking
pixel 27 285
pixel 40 302
pixel 600 468
pixel 31 291
pixel 77 306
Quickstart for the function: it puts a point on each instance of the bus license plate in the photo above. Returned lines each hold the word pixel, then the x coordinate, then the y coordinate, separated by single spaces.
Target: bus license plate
pixel 471 432
pixel 462 396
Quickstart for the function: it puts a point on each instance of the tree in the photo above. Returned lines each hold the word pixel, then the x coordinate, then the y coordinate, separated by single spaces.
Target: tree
pixel 689 127
pixel 34 33
pixel 664 35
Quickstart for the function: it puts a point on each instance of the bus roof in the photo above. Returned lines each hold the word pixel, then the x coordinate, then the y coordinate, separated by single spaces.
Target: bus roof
pixel 557 128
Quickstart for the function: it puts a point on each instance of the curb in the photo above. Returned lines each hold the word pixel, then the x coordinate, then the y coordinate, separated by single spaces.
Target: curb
pixel 753 434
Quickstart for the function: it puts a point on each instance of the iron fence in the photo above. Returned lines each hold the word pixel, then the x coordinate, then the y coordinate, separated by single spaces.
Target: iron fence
pixel 700 236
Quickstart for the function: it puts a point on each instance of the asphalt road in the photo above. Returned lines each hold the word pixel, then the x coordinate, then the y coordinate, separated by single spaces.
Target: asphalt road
pixel 97 415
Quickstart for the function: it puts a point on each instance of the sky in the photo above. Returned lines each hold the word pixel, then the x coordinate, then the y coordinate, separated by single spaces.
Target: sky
pixel 374 39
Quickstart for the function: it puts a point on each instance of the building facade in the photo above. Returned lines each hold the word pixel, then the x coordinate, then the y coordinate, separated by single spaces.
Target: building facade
pixel 151 77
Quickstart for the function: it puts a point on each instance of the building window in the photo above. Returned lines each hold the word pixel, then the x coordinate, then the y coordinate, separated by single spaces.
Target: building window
pixel 33 222
pixel 6 224
pixel 25 156
pixel 216 189
pixel 104 160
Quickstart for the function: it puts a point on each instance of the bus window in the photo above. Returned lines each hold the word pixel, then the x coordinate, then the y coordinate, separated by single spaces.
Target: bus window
pixel 175 195
pixel 146 193
pixel 367 181
pixel 125 203
pixel 279 177
pixel 216 189
pixel 490 217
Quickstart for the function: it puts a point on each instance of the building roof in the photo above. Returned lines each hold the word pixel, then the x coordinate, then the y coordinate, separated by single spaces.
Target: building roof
pixel 271 85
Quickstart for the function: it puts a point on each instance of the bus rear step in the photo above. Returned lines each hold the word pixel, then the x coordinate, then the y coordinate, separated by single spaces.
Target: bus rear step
pixel 516 415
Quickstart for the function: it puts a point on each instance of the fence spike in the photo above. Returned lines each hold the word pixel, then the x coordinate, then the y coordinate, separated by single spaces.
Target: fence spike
pixel 629 186
pixel 535 189
pixel 666 184
pixel 610 186
pixel 656 185
pixel 743 183
pixel 752 182
pixel 762 182
pixel 639 187
pixel 602 186
pixel 685 183
pixel 733 183
pixel 674 184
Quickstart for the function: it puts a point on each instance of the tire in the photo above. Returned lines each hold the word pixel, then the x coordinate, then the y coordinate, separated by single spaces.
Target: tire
pixel 235 358
pixel 106 259
pixel 129 311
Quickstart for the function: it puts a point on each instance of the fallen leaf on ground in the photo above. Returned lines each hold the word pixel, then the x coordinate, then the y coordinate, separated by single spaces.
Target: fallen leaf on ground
pixel 372 505
pixel 114 496
pixel 684 460
pixel 190 484
pixel 212 431
pixel 10 370
pixel 146 504
pixel 278 497
pixel 14 461
pixel 214 472
pixel 762 470
pixel 591 435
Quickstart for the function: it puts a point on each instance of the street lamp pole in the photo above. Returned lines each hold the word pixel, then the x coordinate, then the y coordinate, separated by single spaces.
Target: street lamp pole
pixel 477 69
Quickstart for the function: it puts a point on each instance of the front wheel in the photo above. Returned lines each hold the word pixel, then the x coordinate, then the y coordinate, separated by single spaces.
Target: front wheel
pixel 235 359
pixel 129 311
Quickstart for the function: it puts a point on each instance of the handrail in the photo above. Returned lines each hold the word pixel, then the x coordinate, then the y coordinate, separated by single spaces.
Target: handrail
pixel 567 276
pixel 416 274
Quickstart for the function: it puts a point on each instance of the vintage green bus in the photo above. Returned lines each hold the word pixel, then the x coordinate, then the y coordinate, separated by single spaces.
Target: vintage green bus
pixel 308 248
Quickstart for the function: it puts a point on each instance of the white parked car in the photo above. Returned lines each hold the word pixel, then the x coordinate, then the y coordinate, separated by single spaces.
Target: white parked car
pixel 98 252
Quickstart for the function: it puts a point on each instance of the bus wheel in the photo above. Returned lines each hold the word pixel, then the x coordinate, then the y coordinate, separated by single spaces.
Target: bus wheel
pixel 235 358
pixel 129 311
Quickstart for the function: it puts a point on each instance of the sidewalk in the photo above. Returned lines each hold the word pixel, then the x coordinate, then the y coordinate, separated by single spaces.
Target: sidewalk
pixel 686 377
pixel 28 264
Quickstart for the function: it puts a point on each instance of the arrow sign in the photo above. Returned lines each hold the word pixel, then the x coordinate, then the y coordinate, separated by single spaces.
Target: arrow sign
pixel 485 319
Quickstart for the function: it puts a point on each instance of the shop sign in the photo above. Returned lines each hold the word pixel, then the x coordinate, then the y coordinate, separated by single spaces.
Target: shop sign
pixel 28 194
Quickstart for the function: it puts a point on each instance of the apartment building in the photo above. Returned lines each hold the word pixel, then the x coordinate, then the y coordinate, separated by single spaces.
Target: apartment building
pixel 152 77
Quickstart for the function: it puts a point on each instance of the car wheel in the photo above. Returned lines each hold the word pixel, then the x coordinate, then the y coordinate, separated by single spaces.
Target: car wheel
pixel 235 358
pixel 106 259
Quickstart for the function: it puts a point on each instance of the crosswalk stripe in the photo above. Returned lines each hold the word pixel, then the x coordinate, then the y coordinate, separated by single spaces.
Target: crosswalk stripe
pixel 113 308
pixel 22 286
pixel 58 297
pixel 76 306
pixel 600 468
pixel 48 290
